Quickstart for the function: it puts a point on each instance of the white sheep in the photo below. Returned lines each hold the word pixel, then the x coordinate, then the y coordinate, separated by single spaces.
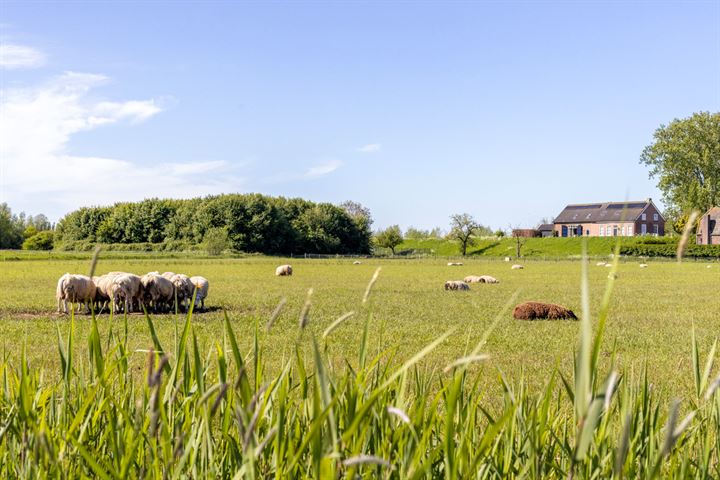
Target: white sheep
pixel 454 264
pixel 284 270
pixel 643 265
pixel 75 289
pixel 601 264
pixel 202 286
pixel 517 267
pixel 158 291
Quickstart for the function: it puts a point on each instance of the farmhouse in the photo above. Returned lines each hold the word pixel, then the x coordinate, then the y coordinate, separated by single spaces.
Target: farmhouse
pixel 708 231
pixel 610 219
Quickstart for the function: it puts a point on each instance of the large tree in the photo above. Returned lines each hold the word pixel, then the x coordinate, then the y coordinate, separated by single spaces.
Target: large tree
pixel 685 158
pixel 462 228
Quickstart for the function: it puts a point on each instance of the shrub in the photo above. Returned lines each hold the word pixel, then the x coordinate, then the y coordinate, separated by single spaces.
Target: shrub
pixel 215 241
pixel 39 241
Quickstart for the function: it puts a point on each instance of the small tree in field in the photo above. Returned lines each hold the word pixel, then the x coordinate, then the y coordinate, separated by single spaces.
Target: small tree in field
pixel 390 238
pixel 462 227
pixel 215 241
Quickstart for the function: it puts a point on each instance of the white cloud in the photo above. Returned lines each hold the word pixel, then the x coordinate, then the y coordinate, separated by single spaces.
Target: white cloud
pixel 323 169
pixel 37 173
pixel 19 56
pixel 370 148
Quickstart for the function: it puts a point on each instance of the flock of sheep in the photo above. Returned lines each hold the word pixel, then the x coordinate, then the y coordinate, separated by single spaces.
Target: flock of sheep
pixel 127 292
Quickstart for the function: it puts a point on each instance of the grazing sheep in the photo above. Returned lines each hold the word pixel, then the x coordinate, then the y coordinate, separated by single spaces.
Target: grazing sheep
pixel 283 270
pixel 184 289
pixel 75 289
pixel 517 267
pixel 456 285
pixel 158 291
pixel 538 310
pixel 480 279
pixel 601 264
pixel 608 265
pixel 357 262
pixel 454 264
pixel 130 295
pixel 202 285
pixel 643 265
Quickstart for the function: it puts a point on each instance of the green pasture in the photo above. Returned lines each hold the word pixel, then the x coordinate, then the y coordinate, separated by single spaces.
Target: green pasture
pixel 652 312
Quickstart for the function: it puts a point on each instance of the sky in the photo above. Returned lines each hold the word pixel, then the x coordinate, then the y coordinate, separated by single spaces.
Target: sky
pixel 417 110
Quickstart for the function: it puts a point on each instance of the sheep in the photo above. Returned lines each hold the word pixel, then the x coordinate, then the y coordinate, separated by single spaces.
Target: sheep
pixel 158 291
pixel 284 271
pixel 601 264
pixel 538 310
pixel 76 289
pixel 612 276
pixel 454 264
pixel 480 279
pixel 608 265
pixel 202 286
pixel 456 285
pixel 131 293
pixel 643 265
pixel 507 259
pixel 357 262
pixel 517 267
pixel 183 290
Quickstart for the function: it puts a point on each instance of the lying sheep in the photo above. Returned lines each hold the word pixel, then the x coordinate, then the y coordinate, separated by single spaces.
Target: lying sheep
pixel 75 289
pixel 202 286
pixel 357 262
pixel 480 279
pixel 608 265
pixel 158 292
pixel 283 271
pixel 539 310
pixel 643 265
pixel 601 264
pixel 456 285
pixel 454 264
pixel 517 267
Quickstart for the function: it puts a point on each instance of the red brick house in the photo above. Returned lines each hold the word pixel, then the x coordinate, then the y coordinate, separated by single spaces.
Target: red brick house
pixel 610 219
pixel 708 231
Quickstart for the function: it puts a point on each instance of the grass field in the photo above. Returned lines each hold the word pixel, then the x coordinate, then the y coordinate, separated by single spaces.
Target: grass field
pixel 652 311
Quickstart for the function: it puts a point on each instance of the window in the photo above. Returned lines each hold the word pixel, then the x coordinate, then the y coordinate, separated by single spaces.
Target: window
pixel 615 230
pixel 643 228
pixel 656 229
pixel 630 230
pixel 602 231
pixel 622 231
pixel 644 216
pixel 656 217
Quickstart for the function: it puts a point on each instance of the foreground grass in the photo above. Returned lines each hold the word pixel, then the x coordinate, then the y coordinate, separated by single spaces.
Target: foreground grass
pixel 223 412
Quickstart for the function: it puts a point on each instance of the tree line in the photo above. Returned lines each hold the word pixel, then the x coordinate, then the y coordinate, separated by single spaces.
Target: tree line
pixel 242 222
pixel 24 231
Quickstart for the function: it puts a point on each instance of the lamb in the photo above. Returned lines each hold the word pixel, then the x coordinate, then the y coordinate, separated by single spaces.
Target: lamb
pixel 456 285
pixel 284 270
pixel 538 310
pixel 517 267
pixel 158 291
pixel 76 289
pixel 202 286
pixel 480 279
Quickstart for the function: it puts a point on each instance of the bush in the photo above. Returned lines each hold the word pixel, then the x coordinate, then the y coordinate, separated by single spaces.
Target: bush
pixel 670 250
pixel 39 241
pixel 215 241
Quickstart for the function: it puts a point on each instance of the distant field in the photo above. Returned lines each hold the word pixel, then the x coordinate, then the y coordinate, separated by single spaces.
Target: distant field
pixel 653 311
pixel 553 247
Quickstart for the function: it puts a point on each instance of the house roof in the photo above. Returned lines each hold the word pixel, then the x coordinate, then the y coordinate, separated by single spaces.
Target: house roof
pixel 602 212
pixel 546 227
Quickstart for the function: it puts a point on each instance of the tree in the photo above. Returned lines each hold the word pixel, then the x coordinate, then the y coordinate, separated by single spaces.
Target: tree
pixel 462 228
pixel 215 241
pixel 499 233
pixel 390 238
pixel 11 228
pixel 685 158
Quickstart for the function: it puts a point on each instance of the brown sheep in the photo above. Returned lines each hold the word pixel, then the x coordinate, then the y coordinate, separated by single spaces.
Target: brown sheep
pixel 456 285
pixel 539 310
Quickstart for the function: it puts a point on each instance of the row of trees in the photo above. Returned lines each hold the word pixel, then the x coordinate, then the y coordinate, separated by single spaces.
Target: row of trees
pixel 26 231
pixel 243 222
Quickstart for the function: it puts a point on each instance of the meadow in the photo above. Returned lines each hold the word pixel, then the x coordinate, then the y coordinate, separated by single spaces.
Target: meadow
pixel 651 310
pixel 278 380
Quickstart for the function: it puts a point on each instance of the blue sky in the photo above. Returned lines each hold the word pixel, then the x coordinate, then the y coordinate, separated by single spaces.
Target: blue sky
pixel 417 110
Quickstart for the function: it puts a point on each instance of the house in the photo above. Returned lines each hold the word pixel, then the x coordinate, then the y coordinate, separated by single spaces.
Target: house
pixel 708 231
pixel 546 230
pixel 610 219
pixel 525 233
